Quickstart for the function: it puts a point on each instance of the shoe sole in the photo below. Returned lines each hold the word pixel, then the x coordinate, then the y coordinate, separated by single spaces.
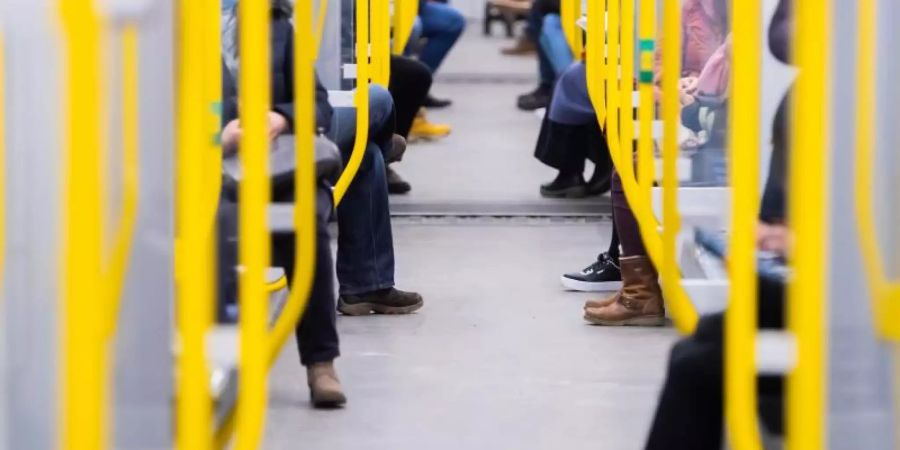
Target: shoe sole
pixel 328 401
pixel 590 286
pixel 572 192
pixel 365 309
pixel 644 321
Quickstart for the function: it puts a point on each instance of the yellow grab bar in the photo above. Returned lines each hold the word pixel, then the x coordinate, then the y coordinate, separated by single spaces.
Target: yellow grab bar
pixel 683 312
pixel 569 13
pixel 304 183
pixel 194 242
pixel 361 98
pixel 381 42
pixel 119 259
pixel 885 292
pixel 808 218
pixel 320 27
pixel 85 361
pixel 740 320
pixel 405 13
pixel 253 241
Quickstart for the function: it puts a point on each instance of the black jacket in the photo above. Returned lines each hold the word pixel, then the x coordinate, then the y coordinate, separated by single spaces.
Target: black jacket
pixel 282 70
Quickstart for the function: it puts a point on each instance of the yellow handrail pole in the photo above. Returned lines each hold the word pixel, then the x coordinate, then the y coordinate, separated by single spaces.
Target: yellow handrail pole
pixel 612 75
pixel 646 109
pixel 211 68
pixel 193 251
pixel 740 320
pixel 117 265
pixel 361 98
pixel 626 90
pixel 885 293
pixel 405 13
pixel 320 27
pixel 381 42
pixel 593 60
pixel 254 94
pixel 807 217
pixel 304 182
pixel 570 12
pixel 84 359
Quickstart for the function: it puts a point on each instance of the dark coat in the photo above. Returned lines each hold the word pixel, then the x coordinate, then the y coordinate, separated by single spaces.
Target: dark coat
pixel 282 70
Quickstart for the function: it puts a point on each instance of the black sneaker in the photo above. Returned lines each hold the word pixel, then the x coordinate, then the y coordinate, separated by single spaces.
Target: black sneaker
pixel 385 301
pixel 537 99
pixel 396 184
pixel 602 275
pixel 436 103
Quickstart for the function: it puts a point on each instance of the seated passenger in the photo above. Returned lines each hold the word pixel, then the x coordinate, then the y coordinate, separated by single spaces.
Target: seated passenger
pixel 316 334
pixel 442 25
pixel 550 57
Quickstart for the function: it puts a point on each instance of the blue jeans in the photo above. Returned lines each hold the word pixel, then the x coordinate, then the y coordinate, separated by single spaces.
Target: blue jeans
pixel 441 26
pixel 554 44
pixel 365 257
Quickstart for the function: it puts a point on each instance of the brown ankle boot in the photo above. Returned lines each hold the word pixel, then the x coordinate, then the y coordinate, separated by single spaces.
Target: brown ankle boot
pixel 639 302
pixel 601 303
pixel 324 387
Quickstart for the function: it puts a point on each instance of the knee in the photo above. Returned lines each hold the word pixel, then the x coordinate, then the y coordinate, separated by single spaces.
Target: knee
pixel 551 22
pixel 380 102
pixel 456 23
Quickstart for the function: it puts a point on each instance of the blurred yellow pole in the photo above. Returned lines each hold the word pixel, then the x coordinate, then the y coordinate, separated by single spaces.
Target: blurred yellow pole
pixel 808 219
pixel 85 365
pixel 740 320
pixel 381 42
pixel 304 182
pixel 254 94
pixel 194 249
pixel 361 100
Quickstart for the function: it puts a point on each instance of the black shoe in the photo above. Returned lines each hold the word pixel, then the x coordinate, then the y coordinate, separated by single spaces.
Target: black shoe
pixel 537 99
pixel 398 149
pixel 602 275
pixel 565 186
pixel 600 182
pixel 431 102
pixel 385 301
pixel 396 184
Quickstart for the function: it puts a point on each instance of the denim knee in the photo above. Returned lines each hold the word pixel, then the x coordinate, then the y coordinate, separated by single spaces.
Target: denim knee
pixel 380 104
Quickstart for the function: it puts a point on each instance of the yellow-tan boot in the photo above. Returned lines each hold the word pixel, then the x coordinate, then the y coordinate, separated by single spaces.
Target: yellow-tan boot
pixel 638 303
pixel 324 387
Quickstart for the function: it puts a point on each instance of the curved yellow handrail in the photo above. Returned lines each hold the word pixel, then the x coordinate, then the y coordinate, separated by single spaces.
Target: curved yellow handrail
pixel 381 42
pixel 253 241
pixel 808 218
pixel 740 320
pixel 304 184
pixel 405 13
pixel 85 360
pixel 569 13
pixel 885 292
pixel 361 99
pixel 194 241
pixel 608 108
pixel 117 265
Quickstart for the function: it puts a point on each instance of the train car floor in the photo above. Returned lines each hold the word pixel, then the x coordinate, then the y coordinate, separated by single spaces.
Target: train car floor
pixel 499 357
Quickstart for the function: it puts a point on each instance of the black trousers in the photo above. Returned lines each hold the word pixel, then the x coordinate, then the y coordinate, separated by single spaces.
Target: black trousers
pixel 316 333
pixel 410 82
pixel 690 414
pixel 568 147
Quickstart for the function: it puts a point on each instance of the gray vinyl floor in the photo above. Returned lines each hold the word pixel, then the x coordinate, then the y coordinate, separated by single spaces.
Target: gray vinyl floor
pixel 500 357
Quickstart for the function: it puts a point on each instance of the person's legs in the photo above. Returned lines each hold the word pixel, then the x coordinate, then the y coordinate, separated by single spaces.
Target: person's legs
pixel 554 44
pixel 626 224
pixel 410 82
pixel 441 26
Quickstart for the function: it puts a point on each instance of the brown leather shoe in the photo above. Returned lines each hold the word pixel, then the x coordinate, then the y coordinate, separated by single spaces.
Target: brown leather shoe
pixel 601 303
pixel 638 303
pixel 523 46
pixel 324 387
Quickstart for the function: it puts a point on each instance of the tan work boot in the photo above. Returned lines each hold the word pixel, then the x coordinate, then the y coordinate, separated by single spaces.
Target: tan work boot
pixel 324 387
pixel 601 303
pixel 639 302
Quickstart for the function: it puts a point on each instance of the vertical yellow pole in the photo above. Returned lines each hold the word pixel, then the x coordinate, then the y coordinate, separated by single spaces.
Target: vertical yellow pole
pixel 361 99
pixel 740 320
pixel 593 62
pixel 570 12
pixel 304 181
pixel 193 251
pixel 626 64
pixel 808 218
pixel 613 76
pixel 84 359
pixel 320 27
pixel 254 94
pixel 381 42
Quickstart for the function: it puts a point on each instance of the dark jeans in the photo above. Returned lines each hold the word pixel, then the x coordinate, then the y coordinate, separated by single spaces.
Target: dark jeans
pixel 316 333
pixel 441 27
pixel 534 26
pixel 626 225
pixel 690 411
pixel 365 257
pixel 410 82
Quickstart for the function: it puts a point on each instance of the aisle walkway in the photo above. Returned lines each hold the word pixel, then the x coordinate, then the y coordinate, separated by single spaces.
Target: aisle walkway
pixel 498 359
